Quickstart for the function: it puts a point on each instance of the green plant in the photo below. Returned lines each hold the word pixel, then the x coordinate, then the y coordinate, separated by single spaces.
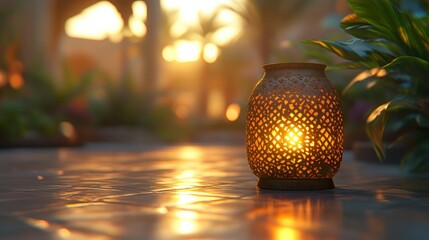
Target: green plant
pixel 391 47
pixel 122 104
pixel 35 111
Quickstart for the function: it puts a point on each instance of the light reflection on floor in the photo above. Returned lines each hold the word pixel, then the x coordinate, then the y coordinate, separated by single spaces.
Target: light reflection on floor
pixel 196 192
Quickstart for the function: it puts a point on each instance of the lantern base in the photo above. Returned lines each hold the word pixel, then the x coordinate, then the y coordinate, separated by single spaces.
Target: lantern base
pixel 296 184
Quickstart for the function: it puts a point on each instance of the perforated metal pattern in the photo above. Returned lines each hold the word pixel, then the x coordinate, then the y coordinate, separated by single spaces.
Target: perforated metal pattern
pixel 294 127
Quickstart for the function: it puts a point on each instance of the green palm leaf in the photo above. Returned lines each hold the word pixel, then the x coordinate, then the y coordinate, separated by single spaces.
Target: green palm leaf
pixel 410 69
pixel 392 49
pixel 377 119
pixel 368 75
pixel 346 65
pixel 368 53
pixel 397 26
pixel 356 27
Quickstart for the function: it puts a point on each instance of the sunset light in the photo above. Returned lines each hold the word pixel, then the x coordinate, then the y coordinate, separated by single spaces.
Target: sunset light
pixel 102 20
pixel 186 17
pixel 96 22
pixel 182 51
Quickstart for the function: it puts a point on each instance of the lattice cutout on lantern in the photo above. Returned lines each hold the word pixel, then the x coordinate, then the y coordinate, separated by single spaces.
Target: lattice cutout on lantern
pixel 294 127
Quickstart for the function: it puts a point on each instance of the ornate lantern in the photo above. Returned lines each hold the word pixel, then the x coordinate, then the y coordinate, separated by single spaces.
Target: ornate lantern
pixel 294 128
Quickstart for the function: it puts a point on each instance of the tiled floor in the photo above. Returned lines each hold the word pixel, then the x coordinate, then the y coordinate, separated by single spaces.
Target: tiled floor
pixel 196 192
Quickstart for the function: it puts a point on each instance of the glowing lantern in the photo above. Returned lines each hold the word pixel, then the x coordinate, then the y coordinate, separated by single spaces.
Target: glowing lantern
pixel 294 128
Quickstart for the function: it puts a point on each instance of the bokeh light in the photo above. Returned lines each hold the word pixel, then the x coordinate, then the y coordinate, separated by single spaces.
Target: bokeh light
pixel 68 130
pixel 137 19
pixel 211 52
pixel 16 81
pixel 182 51
pixel 233 112
pixel 178 29
pixel 139 10
pixel 181 111
pixel 216 104
pixel 137 27
pixel 225 35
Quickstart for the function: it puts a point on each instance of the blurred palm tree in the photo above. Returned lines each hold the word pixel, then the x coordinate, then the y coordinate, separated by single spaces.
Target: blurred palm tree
pixel 203 31
pixel 205 28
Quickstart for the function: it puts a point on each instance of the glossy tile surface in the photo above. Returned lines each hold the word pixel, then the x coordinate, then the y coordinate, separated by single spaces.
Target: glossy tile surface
pixel 196 192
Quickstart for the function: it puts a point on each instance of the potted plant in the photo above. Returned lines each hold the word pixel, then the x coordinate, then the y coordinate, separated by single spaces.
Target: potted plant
pixel 391 48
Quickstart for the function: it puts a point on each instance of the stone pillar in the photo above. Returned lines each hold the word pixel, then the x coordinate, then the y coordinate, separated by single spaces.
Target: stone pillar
pixel 35 36
pixel 151 47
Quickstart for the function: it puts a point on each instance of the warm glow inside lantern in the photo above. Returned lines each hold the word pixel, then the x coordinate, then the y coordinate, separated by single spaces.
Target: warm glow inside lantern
pixel 294 128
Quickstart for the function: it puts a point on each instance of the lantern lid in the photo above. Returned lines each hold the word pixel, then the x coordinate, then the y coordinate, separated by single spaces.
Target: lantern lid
pixel 276 66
